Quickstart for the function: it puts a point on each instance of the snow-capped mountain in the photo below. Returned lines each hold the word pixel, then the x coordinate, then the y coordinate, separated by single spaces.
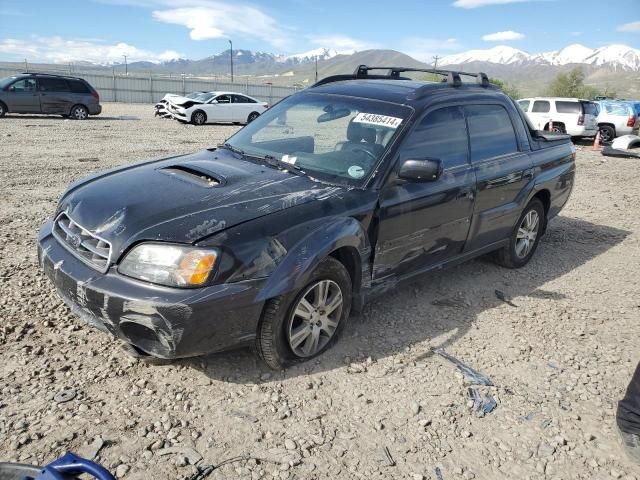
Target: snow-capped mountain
pixel 614 56
pixel 310 56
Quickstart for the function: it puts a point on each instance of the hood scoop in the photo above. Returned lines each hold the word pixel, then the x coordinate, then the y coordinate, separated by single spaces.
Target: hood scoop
pixel 192 174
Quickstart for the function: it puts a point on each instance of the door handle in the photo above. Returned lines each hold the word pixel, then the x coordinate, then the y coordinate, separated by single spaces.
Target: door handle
pixel 464 194
pixel 528 173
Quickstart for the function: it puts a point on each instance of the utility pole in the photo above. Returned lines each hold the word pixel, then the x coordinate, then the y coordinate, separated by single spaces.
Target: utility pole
pixel 316 58
pixel 126 69
pixel 435 62
pixel 231 58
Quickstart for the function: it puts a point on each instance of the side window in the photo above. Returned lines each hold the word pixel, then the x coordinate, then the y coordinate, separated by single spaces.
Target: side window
pixel 78 87
pixel 53 85
pixel 524 104
pixel 24 85
pixel 491 132
pixel 442 134
pixel 240 99
pixel 569 107
pixel 541 106
pixel 223 99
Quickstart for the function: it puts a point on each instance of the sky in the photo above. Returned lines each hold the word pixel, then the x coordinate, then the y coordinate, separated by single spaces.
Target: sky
pixel 101 31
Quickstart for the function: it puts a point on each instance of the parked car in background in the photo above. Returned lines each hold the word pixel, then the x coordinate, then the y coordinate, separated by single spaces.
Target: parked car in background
pixel 573 116
pixel 615 118
pixel 41 93
pixel 161 107
pixel 328 199
pixel 217 107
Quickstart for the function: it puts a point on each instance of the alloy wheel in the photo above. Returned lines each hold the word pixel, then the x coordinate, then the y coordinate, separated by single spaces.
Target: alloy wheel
pixel 79 113
pixel 198 118
pixel 527 233
pixel 315 318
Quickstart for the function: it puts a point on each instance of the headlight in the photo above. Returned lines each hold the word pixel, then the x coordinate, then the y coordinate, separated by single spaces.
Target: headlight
pixel 170 265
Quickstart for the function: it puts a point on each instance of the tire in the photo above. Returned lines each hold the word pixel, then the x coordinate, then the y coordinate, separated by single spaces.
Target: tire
pixel 252 117
pixel 558 128
pixel 79 112
pixel 199 117
pixel 3 109
pixel 518 253
pixel 283 339
pixel 607 133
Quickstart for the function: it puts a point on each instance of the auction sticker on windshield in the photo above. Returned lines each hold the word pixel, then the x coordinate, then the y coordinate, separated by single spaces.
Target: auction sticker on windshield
pixel 375 119
pixel 355 171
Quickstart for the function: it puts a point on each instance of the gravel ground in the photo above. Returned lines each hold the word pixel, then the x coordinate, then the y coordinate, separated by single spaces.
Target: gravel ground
pixel 561 354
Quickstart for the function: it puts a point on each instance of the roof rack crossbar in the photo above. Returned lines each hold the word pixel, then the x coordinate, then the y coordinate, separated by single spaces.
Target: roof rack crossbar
pixel 51 75
pixel 452 77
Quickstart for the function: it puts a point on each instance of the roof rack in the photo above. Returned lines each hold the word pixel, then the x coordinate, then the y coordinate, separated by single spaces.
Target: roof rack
pixel 50 75
pixel 450 77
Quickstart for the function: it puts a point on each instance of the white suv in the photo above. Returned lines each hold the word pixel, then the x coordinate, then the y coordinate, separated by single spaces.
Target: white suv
pixel 615 119
pixel 574 116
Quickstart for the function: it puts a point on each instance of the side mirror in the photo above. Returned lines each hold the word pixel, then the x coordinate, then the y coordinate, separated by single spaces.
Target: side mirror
pixel 426 170
pixel 214 101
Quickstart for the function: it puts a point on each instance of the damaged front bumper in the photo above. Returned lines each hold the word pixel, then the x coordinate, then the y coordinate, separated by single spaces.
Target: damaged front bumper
pixel 161 321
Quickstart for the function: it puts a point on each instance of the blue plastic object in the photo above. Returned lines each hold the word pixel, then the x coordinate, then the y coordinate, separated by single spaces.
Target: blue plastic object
pixel 69 466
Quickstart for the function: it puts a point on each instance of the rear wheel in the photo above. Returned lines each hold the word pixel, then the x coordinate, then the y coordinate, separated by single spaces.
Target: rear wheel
pixel 525 237
pixel 558 128
pixel 252 116
pixel 607 133
pixel 3 110
pixel 79 112
pixel 302 325
pixel 198 117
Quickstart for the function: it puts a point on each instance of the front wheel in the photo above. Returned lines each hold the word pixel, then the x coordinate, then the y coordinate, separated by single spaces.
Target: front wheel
pixel 525 237
pixel 198 118
pixel 79 112
pixel 3 110
pixel 301 325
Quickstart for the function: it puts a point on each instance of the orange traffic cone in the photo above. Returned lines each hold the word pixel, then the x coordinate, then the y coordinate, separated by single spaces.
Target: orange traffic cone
pixel 551 125
pixel 596 143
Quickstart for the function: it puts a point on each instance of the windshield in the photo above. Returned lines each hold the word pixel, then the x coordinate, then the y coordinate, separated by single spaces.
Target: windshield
pixel 6 81
pixel 334 138
pixel 203 96
pixel 194 94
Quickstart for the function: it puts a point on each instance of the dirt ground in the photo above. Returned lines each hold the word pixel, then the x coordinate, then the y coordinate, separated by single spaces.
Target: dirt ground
pixel 561 355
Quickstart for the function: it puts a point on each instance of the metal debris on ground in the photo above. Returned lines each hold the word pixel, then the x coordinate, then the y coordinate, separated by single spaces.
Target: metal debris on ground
pixel 474 377
pixel 387 457
pixel 191 455
pixel 500 295
pixel 244 416
pixel 65 395
pixel 480 405
pixel 89 159
pixel 438 474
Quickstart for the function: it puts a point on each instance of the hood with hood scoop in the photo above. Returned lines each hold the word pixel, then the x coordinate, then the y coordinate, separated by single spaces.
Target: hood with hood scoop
pixel 184 199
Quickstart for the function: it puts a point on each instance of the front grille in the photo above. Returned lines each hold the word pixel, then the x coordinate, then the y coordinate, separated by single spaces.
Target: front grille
pixel 89 248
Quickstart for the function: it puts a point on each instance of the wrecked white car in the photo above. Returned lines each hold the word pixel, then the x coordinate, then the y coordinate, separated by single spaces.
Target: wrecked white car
pixel 216 107
pixel 161 107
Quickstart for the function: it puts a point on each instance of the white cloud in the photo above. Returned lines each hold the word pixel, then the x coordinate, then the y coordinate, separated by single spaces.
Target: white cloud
pixel 630 27
pixel 341 43
pixel 484 3
pixel 502 36
pixel 424 49
pixel 60 50
pixel 208 19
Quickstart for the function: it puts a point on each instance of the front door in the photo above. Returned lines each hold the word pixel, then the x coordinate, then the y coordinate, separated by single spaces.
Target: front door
pixel 503 173
pixel 423 224
pixel 23 96
pixel 221 110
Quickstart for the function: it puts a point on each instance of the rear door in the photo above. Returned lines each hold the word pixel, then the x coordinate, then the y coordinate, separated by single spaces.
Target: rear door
pixel 422 224
pixel 54 95
pixel 503 170
pixel 221 110
pixel 590 111
pixel 242 107
pixel 22 96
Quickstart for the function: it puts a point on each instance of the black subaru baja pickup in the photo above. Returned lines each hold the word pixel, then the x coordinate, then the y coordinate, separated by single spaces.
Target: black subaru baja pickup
pixel 329 198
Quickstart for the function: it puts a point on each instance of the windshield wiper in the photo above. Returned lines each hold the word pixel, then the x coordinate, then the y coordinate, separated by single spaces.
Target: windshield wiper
pixel 279 164
pixel 231 148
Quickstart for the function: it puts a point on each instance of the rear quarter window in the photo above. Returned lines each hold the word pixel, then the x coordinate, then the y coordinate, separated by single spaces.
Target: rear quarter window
pixel 524 105
pixel 491 132
pixel 541 106
pixel 569 107
pixel 78 87
pixel 616 109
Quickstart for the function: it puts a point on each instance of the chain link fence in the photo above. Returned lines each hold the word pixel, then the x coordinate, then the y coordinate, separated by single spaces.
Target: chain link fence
pixel 150 88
